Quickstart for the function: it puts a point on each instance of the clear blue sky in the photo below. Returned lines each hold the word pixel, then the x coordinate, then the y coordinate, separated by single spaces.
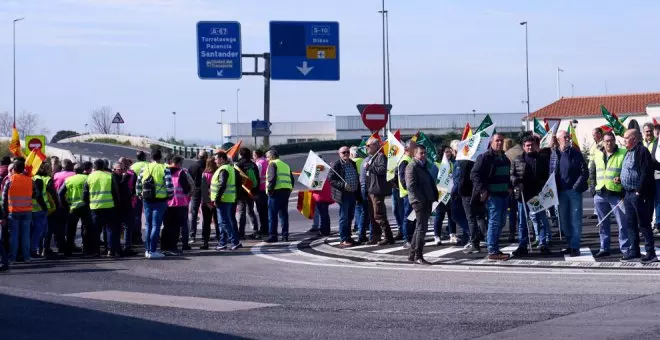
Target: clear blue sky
pixel 139 56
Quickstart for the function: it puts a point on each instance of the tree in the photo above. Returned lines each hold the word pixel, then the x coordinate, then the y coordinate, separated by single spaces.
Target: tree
pixel 101 119
pixel 27 123
pixel 6 124
pixel 62 134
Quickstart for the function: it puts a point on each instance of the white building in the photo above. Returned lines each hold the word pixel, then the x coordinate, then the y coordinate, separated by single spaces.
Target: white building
pixel 281 132
pixel 642 107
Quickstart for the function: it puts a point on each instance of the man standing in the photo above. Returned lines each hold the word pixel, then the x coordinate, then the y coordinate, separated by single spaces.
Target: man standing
pixel 71 197
pixel 570 170
pixel 529 173
pixel 651 143
pixel 223 195
pixel 406 226
pixel 422 192
pixel 101 193
pixel 491 178
pixel 17 196
pixel 155 188
pixel 345 184
pixel 245 205
pixel 637 181
pixel 279 183
pixel 196 171
pixel 261 199
pixel 376 171
pixel 360 206
pixel 605 187
pixel 139 203
pixel 597 145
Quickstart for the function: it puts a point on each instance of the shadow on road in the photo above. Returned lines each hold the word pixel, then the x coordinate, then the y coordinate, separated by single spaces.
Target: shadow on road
pixel 23 318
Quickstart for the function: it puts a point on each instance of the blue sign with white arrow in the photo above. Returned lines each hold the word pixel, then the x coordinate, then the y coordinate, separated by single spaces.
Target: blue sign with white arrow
pixel 219 50
pixel 304 50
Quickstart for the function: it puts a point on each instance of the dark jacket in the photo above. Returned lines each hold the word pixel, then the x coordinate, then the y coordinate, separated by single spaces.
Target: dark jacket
pixel 577 163
pixel 529 170
pixel 124 191
pixel 337 184
pixel 376 173
pixel 196 170
pixel 483 173
pixel 644 164
pixel 420 184
pixel 248 166
pixel 462 177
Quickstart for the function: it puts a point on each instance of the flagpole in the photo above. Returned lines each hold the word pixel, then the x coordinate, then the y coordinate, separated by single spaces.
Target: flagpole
pixel 558 221
pixel 609 213
pixel 527 218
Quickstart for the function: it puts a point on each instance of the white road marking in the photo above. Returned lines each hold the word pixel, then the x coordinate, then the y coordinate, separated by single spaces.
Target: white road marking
pixel 336 243
pixel 363 246
pixel 175 301
pixel 388 250
pixel 585 256
pixel 443 252
pixel 509 249
pixel 643 250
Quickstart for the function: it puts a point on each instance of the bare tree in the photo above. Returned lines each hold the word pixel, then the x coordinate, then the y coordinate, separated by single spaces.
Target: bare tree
pixel 101 120
pixel 27 123
pixel 6 123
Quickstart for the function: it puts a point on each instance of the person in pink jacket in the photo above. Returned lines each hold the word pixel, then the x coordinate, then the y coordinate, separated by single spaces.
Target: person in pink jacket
pixel 323 198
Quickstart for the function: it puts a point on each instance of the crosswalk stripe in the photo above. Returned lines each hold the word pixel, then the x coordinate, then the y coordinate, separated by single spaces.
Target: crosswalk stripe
pixel 334 243
pixel 388 250
pixel 509 249
pixel 585 256
pixel 364 246
pixel 443 252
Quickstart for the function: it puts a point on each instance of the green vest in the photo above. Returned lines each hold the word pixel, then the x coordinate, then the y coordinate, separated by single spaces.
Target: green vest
pixel 283 176
pixel 403 192
pixel 649 145
pixel 605 173
pixel 229 196
pixel 137 167
pixel 157 171
pixel 44 180
pixel 100 190
pixel 358 162
pixel 74 191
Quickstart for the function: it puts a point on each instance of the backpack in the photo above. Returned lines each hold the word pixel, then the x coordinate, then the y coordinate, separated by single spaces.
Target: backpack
pixel 183 182
pixel 149 188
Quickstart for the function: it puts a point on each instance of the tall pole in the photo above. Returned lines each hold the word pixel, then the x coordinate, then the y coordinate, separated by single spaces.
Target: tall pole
pixel 174 125
pixel 559 83
pixel 222 132
pixel 387 48
pixel 524 23
pixel 384 57
pixel 14 48
pixel 237 135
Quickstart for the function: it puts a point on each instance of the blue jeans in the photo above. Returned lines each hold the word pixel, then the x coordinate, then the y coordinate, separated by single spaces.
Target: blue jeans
pixel 407 227
pixel 278 206
pixel 106 219
pixel 346 214
pixel 316 221
pixel 440 211
pixel 459 217
pixel 224 211
pixel 323 217
pixel 19 227
pixel 153 218
pixel 657 203
pixel 604 204
pixel 540 223
pixel 39 227
pixel 496 217
pixel 638 210
pixel 362 218
pixel 570 217
pixel 397 208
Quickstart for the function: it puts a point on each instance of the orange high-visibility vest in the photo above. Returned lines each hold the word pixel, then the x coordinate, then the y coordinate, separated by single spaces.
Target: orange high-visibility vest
pixel 20 194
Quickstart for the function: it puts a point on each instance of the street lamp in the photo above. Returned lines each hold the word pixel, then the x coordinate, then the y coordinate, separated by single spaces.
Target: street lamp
pixel 174 125
pixel 387 60
pixel 237 135
pixel 222 132
pixel 524 23
pixel 14 45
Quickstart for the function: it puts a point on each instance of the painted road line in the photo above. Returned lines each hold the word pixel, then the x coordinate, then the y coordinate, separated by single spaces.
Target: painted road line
pixel 336 243
pixel 363 246
pixel 388 250
pixel 585 256
pixel 443 252
pixel 508 249
pixel 174 301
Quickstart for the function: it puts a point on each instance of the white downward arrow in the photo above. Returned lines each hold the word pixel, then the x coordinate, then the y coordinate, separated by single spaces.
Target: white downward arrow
pixel 219 72
pixel 304 69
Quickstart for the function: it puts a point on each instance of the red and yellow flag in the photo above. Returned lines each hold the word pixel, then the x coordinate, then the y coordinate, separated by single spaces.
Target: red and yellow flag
pixel 234 149
pixel 33 162
pixel 15 144
pixel 467 132
pixel 546 125
pixel 571 131
pixel 306 204
pixel 246 182
pixel 386 144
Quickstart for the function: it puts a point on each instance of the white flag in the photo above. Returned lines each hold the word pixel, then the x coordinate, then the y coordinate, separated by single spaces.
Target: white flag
pixel 476 145
pixel 412 216
pixel 394 154
pixel 547 198
pixel 546 141
pixel 314 172
pixel 444 182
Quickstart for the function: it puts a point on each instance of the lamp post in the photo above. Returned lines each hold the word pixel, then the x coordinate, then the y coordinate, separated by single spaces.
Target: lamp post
pixel 174 125
pixel 14 47
pixel 524 23
pixel 559 83
pixel 222 132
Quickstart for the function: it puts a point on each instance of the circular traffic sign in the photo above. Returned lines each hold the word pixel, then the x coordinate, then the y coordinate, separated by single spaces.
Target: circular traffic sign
pixel 374 116
pixel 34 143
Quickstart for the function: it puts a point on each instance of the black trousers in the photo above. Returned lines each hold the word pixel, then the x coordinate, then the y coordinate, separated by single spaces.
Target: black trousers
pixel 422 215
pixel 173 221
pixel 261 201
pixel 208 216
pixel 195 203
pixel 246 207
pixel 83 215
pixel 476 216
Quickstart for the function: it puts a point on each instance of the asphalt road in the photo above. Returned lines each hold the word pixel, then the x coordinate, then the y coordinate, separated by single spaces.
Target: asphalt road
pixel 279 292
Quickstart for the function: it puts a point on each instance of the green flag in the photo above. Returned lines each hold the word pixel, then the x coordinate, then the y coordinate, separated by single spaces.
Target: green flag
pixel 421 139
pixel 484 124
pixel 362 148
pixel 613 120
pixel 539 128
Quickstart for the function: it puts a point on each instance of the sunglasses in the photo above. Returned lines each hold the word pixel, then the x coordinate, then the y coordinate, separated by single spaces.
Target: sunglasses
pixel 345 152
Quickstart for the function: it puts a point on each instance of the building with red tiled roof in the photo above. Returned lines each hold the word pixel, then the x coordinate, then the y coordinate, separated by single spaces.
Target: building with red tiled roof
pixel 641 107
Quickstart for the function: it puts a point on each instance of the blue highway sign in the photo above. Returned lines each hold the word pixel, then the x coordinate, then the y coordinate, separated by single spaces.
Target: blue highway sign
pixel 219 50
pixel 304 50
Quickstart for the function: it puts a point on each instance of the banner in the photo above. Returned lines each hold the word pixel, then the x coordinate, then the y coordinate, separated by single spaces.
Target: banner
pixel 548 197
pixel 467 132
pixel 613 121
pixel 386 144
pixel 539 129
pixel 421 139
pixel 546 141
pixel 476 145
pixel 314 172
pixel 394 154
pixel 486 123
pixel 444 182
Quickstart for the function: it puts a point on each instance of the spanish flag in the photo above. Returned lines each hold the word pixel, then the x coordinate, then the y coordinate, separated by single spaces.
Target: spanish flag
pixel 33 162
pixel 386 145
pixel 15 144
pixel 571 131
pixel 246 182
pixel 467 132
pixel 306 204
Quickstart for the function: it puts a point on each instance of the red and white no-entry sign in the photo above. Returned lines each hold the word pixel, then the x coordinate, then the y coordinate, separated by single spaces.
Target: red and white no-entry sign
pixel 374 116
